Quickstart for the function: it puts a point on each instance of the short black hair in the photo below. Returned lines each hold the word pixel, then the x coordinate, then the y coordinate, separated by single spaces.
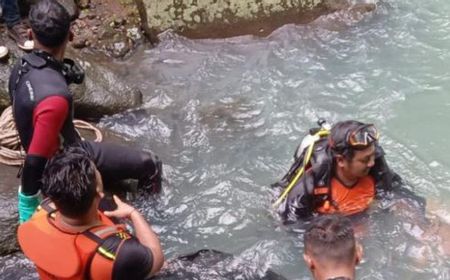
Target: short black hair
pixel 50 22
pixel 330 238
pixel 338 138
pixel 69 181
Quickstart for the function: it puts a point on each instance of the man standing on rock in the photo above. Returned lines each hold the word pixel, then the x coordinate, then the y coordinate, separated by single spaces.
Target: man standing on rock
pixel 43 112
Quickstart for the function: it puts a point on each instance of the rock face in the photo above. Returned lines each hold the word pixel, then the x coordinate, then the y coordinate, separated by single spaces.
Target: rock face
pixel 212 18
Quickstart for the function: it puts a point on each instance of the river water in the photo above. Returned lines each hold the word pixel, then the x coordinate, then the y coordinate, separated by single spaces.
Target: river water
pixel 226 115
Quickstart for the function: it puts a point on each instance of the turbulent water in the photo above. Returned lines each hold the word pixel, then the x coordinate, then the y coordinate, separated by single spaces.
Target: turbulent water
pixel 226 115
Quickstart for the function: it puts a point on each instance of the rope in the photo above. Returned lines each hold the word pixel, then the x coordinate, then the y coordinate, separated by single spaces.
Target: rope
pixel 12 153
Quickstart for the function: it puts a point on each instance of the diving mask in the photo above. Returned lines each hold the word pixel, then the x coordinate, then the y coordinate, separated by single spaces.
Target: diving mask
pixel 363 136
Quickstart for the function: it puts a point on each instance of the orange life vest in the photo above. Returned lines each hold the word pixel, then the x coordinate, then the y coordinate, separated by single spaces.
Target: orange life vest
pixel 345 200
pixel 60 254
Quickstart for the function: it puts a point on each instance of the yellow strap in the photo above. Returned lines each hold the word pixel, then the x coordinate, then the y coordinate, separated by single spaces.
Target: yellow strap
pixel 300 171
pixel 106 253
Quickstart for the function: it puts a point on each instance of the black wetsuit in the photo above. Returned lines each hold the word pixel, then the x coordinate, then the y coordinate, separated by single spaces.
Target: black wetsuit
pixel 43 112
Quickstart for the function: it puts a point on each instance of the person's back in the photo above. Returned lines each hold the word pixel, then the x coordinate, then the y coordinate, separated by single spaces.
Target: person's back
pixel 330 249
pixel 63 253
pixel 68 238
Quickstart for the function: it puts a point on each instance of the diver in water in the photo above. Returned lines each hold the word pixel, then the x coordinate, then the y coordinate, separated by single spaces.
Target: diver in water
pixel 341 170
pixel 331 251
pixel 43 112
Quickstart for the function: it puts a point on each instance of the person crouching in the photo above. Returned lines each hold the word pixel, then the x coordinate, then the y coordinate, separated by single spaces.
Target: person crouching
pixel 68 238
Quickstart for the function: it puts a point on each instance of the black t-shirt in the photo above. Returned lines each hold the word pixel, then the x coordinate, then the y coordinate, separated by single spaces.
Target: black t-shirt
pixel 133 260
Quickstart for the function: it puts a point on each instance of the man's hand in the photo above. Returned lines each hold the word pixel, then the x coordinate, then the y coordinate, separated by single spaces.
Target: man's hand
pixel 144 232
pixel 123 210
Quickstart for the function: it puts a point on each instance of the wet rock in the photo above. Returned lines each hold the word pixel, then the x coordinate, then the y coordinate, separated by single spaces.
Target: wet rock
pixel 212 264
pixel 103 92
pixel 219 19
pixel 119 49
pixel 5 69
pixel 344 16
pixel 336 5
pixel 8 209
pixel 84 4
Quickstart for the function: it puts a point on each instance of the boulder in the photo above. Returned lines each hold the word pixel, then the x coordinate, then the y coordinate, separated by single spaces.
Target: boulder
pixel 102 93
pixel 219 19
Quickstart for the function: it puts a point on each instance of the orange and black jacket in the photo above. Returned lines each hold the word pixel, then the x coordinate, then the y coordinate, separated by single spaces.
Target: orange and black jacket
pixel 106 251
pixel 313 193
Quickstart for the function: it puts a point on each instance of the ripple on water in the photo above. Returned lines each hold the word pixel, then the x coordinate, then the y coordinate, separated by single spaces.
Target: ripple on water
pixel 226 115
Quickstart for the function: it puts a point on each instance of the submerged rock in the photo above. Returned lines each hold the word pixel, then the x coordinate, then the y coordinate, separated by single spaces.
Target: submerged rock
pixel 344 16
pixel 212 264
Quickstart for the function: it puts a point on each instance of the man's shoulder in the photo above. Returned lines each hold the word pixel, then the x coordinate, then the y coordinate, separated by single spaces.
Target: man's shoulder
pixel 46 82
pixel 47 75
pixel 133 260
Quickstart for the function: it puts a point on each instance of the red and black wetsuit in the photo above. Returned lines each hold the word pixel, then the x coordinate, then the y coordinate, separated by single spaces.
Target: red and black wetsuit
pixel 43 112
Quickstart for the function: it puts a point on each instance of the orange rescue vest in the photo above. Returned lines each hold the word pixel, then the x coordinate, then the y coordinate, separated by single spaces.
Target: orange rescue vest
pixel 345 200
pixel 60 254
